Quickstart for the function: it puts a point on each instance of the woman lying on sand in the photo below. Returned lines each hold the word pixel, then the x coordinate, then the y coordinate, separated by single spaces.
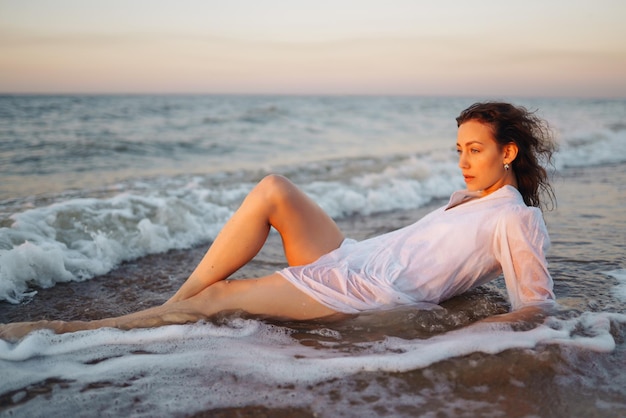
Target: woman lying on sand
pixel 494 226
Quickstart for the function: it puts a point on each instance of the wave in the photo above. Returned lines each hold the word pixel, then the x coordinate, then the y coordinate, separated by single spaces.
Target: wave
pixel 606 145
pixel 221 363
pixel 77 239
pixel 620 290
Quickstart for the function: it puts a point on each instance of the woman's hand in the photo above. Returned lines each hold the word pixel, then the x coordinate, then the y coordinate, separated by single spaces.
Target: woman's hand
pixel 528 315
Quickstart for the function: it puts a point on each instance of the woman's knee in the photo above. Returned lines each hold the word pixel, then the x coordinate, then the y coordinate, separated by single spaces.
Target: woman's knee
pixel 276 186
pixel 278 191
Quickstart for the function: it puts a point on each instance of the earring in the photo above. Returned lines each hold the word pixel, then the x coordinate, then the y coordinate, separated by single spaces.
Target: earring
pixel 506 166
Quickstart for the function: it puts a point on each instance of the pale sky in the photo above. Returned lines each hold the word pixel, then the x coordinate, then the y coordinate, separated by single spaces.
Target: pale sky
pixel 434 47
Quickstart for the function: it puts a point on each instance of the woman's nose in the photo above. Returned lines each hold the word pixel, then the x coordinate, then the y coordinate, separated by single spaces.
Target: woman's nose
pixel 463 161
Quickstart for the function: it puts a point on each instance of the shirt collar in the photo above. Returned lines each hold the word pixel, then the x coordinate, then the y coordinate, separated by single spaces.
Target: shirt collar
pixel 462 196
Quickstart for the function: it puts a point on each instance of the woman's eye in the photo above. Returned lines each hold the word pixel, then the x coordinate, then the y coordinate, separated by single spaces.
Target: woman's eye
pixel 474 151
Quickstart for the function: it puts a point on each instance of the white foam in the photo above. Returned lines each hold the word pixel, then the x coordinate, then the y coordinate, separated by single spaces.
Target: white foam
pixel 592 148
pixel 183 359
pixel 82 238
pixel 620 290
pixel 408 184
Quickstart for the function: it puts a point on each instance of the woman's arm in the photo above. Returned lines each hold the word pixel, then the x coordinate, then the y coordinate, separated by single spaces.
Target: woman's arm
pixel 528 315
pixel 522 242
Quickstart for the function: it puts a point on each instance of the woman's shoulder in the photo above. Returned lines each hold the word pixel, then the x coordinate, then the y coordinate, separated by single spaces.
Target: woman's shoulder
pixel 510 199
pixel 513 201
pixel 515 215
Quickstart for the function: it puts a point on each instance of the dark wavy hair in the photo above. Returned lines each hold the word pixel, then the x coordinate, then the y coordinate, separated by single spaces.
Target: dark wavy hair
pixel 534 141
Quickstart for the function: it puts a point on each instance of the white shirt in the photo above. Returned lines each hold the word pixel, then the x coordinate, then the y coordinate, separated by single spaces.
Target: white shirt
pixel 464 244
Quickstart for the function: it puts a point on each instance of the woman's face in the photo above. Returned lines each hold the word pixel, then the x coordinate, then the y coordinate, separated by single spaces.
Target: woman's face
pixel 482 160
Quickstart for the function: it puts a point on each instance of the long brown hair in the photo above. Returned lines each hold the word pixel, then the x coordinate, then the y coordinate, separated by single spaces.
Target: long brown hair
pixel 534 141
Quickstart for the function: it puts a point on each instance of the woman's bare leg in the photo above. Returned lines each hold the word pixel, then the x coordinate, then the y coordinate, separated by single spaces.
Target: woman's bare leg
pixel 270 296
pixel 307 233
pixel 306 230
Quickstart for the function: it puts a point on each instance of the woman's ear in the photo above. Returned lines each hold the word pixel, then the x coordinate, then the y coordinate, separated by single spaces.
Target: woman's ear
pixel 510 152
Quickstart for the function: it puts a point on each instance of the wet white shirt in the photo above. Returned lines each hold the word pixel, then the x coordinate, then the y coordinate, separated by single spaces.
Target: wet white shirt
pixel 464 244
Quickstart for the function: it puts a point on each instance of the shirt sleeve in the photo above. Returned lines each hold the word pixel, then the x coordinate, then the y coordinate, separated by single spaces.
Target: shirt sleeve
pixel 521 243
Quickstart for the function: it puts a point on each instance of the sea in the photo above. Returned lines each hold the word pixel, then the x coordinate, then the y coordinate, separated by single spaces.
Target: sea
pixel 107 203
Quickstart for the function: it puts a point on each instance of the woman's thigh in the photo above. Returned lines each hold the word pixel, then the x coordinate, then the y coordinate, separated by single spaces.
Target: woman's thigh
pixel 272 296
pixel 306 230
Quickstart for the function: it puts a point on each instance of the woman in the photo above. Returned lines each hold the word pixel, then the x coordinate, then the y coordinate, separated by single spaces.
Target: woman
pixel 492 227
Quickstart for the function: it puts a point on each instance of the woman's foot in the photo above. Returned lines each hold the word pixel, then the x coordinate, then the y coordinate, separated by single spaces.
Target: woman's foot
pixel 17 330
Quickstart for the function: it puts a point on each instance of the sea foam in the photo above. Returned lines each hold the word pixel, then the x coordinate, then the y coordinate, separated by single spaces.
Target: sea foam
pixel 620 290
pixel 82 238
pixel 592 148
pixel 188 361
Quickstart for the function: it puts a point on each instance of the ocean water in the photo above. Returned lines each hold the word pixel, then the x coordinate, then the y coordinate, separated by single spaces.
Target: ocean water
pixel 114 198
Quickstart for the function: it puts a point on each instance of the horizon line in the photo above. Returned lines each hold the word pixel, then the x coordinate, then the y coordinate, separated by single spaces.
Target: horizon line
pixel 310 94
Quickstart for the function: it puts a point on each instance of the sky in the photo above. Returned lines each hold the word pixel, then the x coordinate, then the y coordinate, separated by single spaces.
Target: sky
pixel 545 48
